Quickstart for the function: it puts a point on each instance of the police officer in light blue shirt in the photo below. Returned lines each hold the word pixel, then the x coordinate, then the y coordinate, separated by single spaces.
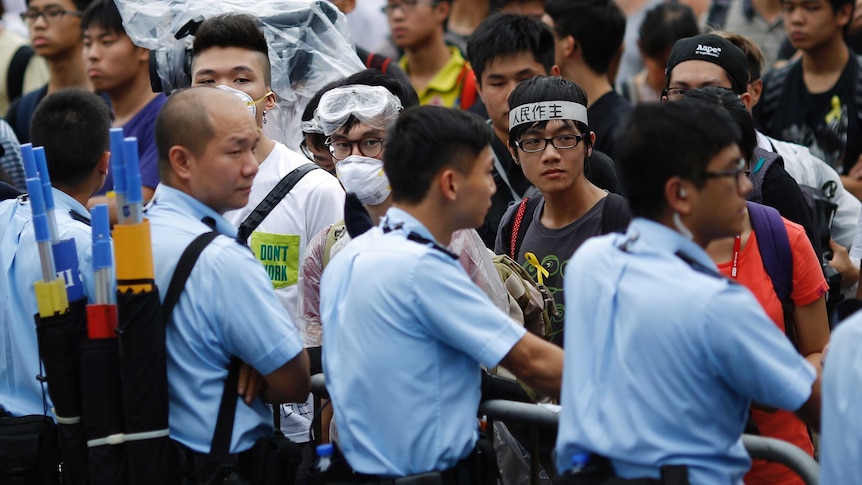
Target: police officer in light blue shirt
pixel 405 329
pixel 664 355
pixel 841 433
pixel 206 140
pixel 72 125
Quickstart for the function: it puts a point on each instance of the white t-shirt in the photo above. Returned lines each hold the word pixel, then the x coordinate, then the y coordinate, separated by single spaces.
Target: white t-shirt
pixel 279 242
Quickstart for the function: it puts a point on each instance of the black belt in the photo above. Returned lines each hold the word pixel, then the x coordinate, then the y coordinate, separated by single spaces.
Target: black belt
pixel 457 475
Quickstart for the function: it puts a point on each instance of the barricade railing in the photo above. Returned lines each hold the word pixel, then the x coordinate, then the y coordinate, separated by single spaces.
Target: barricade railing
pixel 540 417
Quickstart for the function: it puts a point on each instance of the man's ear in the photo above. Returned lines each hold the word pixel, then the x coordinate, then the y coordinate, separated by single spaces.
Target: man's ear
pixel 442 9
pixel 513 150
pixel 569 45
pixel 103 163
pixel 555 70
pixel 270 100
pixel 676 194
pixel 181 160
pixel 746 100
pixel 448 184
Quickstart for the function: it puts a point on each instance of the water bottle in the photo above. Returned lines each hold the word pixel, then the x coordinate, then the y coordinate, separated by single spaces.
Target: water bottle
pixel 324 457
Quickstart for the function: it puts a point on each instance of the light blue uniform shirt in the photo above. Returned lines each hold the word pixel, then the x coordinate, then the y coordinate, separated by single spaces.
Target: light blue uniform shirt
pixel 841 425
pixel 228 308
pixel 405 330
pixel 662 360
pixel 20 392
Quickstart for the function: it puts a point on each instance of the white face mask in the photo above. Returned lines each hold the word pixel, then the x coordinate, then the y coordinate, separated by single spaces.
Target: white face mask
pixel 248 100
pixel 364 177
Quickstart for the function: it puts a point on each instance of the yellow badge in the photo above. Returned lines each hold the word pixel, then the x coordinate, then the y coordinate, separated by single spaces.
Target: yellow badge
pixel 541 272
pixel 279 254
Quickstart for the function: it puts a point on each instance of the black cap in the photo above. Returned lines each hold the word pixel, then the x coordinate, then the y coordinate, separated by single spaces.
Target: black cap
pixel 714 49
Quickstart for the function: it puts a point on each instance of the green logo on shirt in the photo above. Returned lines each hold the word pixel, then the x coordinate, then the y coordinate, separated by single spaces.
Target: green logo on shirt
pixel 279 254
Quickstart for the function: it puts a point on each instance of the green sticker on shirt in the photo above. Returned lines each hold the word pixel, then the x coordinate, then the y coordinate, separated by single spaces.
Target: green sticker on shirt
pixel 279 254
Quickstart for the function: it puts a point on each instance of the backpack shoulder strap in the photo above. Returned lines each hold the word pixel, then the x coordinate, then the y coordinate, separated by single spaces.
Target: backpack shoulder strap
pixel 17 70
pixel 378 62
pixel 777 257
pixel 271 200
pixel 220 448
pixel 523 219
pixel 615 214
pixel 183 270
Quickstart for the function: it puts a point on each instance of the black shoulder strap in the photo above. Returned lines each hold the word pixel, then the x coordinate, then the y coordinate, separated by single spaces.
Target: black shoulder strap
pixel 17 70
pixel 615 214
pixel 220 448
pixel 271 200
pixel 184 269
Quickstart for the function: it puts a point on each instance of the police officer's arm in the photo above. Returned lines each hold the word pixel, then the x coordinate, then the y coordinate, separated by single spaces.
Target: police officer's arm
pixel 536 362
pixel 290 382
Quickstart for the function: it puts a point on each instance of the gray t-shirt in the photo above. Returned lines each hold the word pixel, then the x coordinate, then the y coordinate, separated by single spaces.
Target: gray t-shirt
pixel 553 248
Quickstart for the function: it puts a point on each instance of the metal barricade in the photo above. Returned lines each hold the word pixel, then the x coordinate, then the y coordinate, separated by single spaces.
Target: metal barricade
pixel 540 417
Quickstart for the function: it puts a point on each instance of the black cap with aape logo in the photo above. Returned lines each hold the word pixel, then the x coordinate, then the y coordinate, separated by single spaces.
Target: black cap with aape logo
pixel 714 49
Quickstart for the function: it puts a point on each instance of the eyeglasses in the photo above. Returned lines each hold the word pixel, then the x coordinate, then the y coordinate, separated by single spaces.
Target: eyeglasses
pixel 562 142
pixel 51 15
pixel 341 149
pixel 406 6
pixel 739 173
pixel 674 94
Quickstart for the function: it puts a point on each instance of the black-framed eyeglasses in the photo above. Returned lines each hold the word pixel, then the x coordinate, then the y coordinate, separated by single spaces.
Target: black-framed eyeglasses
pixel 341 149
pixel 739 173
pixel 674 94
pixel 560 142
pixel 51 15
pixel 406 6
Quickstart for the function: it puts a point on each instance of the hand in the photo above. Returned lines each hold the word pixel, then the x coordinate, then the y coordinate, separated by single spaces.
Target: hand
pixel 842 263
pixel 250 383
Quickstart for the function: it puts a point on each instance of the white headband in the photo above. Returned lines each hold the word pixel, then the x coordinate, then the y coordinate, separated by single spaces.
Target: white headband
pixel 547 111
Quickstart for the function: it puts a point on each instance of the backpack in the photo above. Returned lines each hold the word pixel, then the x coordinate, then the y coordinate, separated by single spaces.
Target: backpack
pixel 774 246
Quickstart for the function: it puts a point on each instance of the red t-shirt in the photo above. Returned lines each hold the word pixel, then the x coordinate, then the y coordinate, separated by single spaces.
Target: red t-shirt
pixel 808 285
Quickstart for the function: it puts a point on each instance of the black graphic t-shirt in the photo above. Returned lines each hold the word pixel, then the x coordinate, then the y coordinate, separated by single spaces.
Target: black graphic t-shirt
pixel 827 122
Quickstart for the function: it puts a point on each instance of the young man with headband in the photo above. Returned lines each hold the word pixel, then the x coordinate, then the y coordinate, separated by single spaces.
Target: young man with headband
pixel 550 139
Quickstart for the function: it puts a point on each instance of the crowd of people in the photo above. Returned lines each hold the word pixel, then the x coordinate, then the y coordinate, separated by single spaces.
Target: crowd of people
pixel 680 182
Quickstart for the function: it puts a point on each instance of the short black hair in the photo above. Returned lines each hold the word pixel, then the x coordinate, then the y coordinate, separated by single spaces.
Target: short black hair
pixel 507 35
pixel 597 25
pixel 73 125
pixel 426 139
pixel 546 88
pixel 234 30
pixel 104 14
pixel 729 100
pixel 663 25
pixel 667 140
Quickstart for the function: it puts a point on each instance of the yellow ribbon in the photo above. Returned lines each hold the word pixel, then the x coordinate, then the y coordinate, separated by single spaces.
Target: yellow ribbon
pixel 835 113
pixel 541 272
